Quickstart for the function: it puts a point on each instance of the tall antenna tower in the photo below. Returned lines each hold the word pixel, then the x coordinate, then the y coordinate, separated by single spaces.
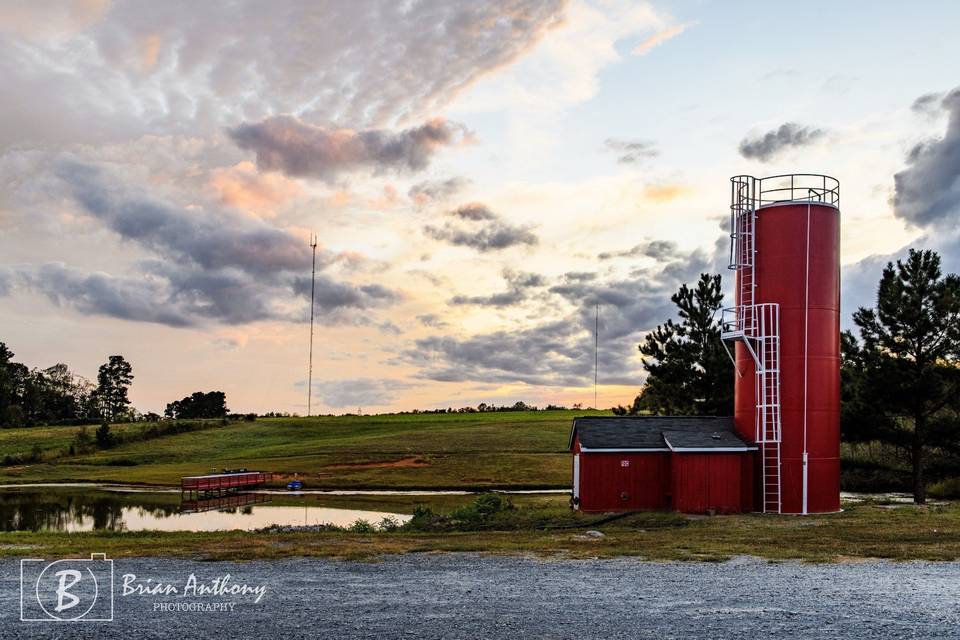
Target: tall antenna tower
pixel 313 284
pixel 596 355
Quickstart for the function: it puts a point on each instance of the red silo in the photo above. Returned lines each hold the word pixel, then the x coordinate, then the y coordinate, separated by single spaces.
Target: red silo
pixel 786 330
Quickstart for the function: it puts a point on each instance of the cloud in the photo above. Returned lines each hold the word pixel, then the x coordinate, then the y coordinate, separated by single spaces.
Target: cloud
pixel 775 141
pixel 660 250
pixel 211 264
pixel 210 239
pixel 424 193
pixel 242 187
pixel 558 351
pixel 565 67
pixel 128 298
pixel 359 392
pixel 289 145
pixel 859 281
pixel 484 230
pixel 6 281
pixel 631 151
pixel 389 328
pixel 432 320
pixel 660 37
pixel 547 354
pixel 927 192
pixel 579 276
pixel 474 211
pixel 927 104
pixel 519 283
pixel 330 295
pixel 140 67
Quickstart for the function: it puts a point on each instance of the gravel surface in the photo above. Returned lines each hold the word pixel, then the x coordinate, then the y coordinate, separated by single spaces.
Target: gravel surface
pixel 469 596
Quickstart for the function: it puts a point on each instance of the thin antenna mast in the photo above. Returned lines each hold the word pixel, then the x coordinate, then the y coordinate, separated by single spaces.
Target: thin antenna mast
pixel 313 282
pixel 596 355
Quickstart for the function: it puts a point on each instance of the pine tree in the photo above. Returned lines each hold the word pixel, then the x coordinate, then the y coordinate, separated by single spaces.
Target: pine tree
pixel 906 373
pixel 689 373
pixel 113 381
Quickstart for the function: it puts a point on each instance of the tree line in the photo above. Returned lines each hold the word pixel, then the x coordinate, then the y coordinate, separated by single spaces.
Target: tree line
pixel 55 395
pixel 900 369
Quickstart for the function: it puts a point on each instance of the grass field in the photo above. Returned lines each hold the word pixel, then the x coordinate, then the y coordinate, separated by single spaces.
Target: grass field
pixel 425 451
pixel 548 529
pixel 465 451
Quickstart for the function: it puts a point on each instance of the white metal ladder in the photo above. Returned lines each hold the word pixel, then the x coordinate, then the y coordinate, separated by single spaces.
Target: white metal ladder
pixel 758 326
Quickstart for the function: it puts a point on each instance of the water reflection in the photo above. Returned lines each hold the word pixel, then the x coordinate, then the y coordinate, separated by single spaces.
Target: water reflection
pixel 226 502
pixel 86 510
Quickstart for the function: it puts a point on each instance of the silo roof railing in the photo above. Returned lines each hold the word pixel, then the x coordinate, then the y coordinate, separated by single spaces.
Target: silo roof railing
pixel 791 187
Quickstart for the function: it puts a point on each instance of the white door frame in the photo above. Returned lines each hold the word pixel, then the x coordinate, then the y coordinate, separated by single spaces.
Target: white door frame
pixel 576 481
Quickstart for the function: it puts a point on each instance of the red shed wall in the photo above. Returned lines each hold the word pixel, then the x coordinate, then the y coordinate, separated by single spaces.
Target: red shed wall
pixel 709 481
pixel 644 479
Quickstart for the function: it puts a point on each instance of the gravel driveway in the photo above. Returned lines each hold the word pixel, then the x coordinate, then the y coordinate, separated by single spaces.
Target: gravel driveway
pixel 467 596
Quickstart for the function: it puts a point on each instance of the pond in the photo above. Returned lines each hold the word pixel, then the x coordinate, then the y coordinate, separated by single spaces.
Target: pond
pixel 91 508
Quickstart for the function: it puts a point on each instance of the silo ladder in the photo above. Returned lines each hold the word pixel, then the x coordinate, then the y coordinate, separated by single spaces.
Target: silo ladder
pixel 763 345
pixel 758 326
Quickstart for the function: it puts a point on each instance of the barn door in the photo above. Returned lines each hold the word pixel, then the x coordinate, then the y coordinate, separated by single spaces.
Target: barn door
pixel 576 481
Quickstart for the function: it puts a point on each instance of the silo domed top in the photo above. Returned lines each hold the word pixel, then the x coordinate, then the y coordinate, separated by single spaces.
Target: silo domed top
pixel 790 188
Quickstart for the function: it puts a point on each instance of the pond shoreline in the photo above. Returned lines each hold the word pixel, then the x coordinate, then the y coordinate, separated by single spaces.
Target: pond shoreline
pixel 359 491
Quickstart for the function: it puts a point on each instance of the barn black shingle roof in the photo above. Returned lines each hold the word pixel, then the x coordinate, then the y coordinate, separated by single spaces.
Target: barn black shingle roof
pixel 719 439
pixel 648 433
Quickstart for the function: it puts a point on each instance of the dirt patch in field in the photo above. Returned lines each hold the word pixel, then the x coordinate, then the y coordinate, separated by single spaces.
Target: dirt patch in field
pixel 403 463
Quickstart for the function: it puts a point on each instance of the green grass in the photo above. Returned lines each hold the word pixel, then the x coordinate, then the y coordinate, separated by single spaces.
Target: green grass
pixel 466 451
pixel 425 451
pixel 862 531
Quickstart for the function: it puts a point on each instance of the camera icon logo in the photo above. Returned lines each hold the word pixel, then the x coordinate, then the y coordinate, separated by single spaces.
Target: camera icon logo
pixel 76 590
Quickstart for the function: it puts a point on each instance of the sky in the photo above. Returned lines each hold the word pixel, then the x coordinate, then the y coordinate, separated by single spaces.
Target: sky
pixel 479 177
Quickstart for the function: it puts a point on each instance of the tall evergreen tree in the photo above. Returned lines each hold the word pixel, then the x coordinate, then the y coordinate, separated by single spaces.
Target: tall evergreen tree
pixel 113 381
pixel 689 373
pixel 906 373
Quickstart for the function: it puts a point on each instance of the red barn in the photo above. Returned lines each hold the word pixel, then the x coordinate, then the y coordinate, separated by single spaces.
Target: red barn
pixel 689 464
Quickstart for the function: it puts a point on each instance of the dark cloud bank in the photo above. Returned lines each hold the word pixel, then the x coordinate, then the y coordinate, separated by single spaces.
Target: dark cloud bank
pixel 211 265
pixel 927 197
pixel 927 192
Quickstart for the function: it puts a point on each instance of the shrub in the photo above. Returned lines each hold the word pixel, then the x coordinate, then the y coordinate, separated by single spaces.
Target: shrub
pixel 482 509
pixel 82 442
pixel 948 488
pixel 423 518
pixel 388 524
pixel 869 476
pixel 36 454
pixel 105 439
pixel 361 526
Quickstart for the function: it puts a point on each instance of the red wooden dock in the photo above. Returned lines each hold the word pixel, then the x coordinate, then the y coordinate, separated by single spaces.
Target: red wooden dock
pixel 221 482
pixel 227 501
